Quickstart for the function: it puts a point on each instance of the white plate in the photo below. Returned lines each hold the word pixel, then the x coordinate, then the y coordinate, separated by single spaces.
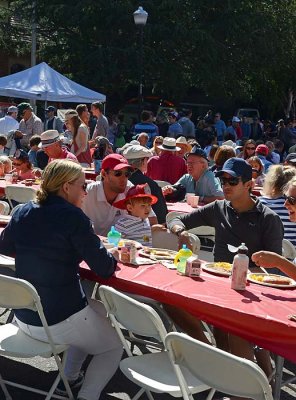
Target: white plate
pixel 275 285
pixel 151 252
pixel 210 267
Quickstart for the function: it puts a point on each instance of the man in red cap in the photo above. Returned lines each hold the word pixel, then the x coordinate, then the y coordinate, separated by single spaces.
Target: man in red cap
pixel 101 195
pixel 262 152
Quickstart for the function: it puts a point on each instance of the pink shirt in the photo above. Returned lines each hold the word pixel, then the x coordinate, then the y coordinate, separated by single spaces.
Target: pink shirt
pixel 166 167
pixel 27 175
pixel 66 154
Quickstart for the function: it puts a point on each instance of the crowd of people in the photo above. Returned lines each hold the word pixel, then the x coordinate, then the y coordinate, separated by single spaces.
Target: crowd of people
pixel 221 164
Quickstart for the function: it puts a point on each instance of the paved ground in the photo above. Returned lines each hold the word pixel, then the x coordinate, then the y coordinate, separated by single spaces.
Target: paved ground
pixel 40 373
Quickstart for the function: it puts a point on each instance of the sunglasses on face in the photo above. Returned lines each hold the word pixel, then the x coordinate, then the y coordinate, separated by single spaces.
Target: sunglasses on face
pixel 250 148
pixel 291 200
pixel 231 181
pixel 127 174
pixel 83 186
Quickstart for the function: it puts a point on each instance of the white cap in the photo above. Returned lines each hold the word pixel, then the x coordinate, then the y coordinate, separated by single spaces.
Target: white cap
pixel 136 151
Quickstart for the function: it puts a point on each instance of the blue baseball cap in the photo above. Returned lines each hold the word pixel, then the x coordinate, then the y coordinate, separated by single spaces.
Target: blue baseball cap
pixel 197 151
pixel 236 167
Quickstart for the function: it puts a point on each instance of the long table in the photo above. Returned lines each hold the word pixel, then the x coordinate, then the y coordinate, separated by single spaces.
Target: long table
pixel 258 314
pixel 3 185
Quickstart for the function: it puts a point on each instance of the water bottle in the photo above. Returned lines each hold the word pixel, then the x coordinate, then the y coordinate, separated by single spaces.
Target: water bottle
pixel 240 268
pixel 181 258
pixel 114 236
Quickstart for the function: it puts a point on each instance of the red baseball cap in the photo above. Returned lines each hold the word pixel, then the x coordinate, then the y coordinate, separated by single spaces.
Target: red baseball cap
pixel 262 149
pixel 136 192
pixel 115 162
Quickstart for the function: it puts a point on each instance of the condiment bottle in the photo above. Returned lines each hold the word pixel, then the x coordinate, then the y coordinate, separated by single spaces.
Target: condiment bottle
pixel 114 236
pixel 240 268
pixel 181 258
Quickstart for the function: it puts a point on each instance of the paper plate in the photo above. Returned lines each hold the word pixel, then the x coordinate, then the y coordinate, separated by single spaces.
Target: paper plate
pixel 256 278
pixel 156 254
pixel 217 268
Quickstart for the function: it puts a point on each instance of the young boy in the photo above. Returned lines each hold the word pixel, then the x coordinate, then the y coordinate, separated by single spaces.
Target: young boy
pixel 34 142
pixel 135 225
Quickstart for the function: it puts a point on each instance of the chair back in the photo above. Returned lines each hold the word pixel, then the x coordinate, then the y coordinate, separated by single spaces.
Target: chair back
pixel 161 184
pixel 167 240
pixel 137 317
pixel 289 250
pixel 21 194
pixel 4 208
pixel 218 369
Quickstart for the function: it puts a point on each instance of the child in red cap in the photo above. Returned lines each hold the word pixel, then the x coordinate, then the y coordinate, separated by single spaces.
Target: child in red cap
pixel 135 225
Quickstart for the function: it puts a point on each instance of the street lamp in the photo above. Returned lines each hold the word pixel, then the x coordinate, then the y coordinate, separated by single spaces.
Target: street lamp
pixel 140 18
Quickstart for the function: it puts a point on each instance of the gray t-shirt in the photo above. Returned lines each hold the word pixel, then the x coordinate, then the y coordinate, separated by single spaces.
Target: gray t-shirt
pixel 259 228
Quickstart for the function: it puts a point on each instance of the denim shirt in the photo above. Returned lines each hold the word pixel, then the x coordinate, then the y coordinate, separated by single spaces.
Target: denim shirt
pixel 49 241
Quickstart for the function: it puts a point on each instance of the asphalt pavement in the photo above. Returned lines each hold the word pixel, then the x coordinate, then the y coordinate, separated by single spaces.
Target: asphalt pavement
pixel 40 373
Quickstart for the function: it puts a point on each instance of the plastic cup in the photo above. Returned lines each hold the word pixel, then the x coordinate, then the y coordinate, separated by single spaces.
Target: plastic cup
pixel 189 197
pixel 8 178
pixel 194 201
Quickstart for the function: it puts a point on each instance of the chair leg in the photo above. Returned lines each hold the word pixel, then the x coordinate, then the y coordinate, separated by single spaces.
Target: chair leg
pixel 279 365
pixel 4 389
pixel 149 395
pixel 139 394
pixel 211 394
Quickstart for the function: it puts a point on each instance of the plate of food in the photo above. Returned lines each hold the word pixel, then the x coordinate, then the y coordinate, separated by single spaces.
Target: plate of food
pixel 156 254
pixel 218 268
pixel 123 242
pixel 272 280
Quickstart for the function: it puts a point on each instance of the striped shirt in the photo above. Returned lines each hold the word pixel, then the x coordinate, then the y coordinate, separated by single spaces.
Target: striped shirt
pixel 277 205
pixel 135 228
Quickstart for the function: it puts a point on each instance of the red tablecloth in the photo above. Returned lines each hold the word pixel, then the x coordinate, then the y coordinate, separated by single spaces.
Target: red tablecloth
pixel 180 207
pixel 259 314
pixel 3 185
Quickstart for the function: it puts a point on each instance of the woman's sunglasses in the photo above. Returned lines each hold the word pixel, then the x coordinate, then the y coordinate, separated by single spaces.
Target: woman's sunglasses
pixel 291 200
pixel 251 148
pixel 231 181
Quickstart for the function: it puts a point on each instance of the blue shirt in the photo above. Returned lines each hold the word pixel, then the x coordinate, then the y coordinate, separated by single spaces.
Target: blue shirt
pixel 33 157
pixel 207 185
pixel 265 163
pixel 148 128
pixel 175 130
pixel 220 129
pixel 49 241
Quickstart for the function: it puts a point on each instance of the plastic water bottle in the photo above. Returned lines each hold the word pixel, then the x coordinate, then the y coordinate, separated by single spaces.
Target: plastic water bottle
pixel 114 236
pixel 240 268
pixel 181 258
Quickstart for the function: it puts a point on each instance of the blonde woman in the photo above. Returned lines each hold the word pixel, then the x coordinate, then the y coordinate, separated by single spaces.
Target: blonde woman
pixel 273 196
pixel 5 165
pixel 80 146
pixel 63 237
pixel 157 142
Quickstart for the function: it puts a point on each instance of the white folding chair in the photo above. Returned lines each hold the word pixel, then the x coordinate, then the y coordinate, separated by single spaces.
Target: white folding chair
pixel 153 372
pixel 20 194
pixel 221 370
pixel 167 240
pixel 289 250
pixel 4 208
pixel 19 294
pixel 162 183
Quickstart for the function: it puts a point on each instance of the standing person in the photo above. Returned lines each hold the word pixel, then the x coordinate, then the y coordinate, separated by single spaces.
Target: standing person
pixel 167 166
pixel 63 238
pixel 30 124
pixel 234 131
pixel 102 125
pixel 175 129
pixel 84 115
pixel 121 132
pixel 245 127
pixel 187 125
pixel 138 157
pixel 220 127
pixel 80 146
pixel 52 121
pixel 256 130
pixel 9 122
pixel 146 125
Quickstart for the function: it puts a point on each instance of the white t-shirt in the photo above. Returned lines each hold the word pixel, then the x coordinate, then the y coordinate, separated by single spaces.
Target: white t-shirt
pixel 102 214
pixel 7 124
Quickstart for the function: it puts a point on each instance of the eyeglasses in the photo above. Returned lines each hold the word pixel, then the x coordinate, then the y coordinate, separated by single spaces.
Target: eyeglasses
pixel 83 186
pixel 17 164
pixel 291 200
pixel 127 174
pixel 231 181
pixel 250 148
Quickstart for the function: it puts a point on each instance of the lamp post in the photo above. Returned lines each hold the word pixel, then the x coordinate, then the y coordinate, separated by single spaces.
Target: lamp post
pixel 140 18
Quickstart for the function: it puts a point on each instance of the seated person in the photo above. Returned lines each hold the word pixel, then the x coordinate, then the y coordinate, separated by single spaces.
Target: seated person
pixel 34 147
pixel 135 225
pixel 3 143
pixel 199 180
pixel 258 175
pixel 22 166
pixel 5 165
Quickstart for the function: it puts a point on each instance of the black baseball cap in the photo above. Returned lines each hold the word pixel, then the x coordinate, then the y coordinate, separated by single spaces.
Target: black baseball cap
pixel 197 151
pixel 236 167
pixel 50 108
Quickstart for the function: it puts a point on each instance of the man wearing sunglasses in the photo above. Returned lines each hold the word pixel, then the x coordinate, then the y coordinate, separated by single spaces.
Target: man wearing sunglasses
pixel 98 203
pixel 240 218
